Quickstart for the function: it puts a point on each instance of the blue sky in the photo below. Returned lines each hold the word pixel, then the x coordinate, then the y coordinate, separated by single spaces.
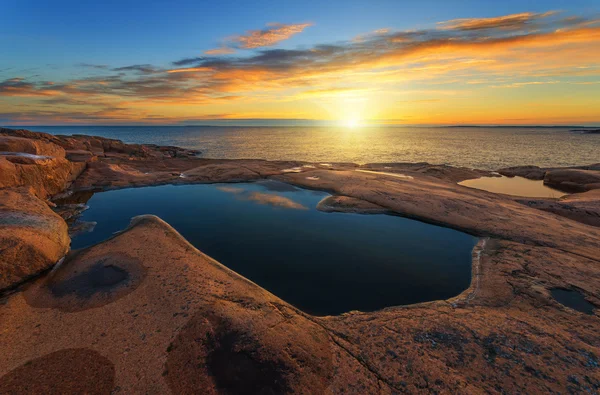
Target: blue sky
pixel 119 33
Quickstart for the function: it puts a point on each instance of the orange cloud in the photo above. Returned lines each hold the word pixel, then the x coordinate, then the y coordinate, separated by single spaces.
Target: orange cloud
pixel 275 33
pixel 513 21
pixel 220 51
pixel 190 69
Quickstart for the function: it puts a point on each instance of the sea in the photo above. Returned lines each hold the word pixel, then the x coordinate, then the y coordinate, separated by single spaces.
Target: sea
pixel 474 147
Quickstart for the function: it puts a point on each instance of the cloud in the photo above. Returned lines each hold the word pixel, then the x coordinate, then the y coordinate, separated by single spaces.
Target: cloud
pixel 18 86
pixel 513 21
pixel 273 34
pixel 94 66
pixel 220 51
pixel 267 199
pixel 191 69
pixel 513 50
pixel 234 190
pixel 139 68
pixel 523 84
pixel 274 200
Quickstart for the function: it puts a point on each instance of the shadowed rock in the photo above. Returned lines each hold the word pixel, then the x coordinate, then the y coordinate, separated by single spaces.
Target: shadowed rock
pixel 573 180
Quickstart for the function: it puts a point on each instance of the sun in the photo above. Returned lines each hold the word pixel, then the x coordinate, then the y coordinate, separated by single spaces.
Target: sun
pixel 351 123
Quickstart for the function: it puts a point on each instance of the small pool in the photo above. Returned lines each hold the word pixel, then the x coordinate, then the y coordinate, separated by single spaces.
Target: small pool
pixel 271 233
pixel 515 186
pixel 573 299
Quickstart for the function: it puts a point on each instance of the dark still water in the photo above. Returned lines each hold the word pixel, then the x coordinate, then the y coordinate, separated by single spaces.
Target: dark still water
pixel 323 263
pixel 480 147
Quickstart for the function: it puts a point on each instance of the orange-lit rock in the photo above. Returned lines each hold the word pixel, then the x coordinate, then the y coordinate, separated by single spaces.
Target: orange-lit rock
pixel 32 237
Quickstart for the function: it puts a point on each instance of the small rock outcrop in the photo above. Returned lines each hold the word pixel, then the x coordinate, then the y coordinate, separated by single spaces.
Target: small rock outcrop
pixel 530 172
pixel 573 180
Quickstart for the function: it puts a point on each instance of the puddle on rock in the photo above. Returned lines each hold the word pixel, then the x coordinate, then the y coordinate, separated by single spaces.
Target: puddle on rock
pixel 572 299
pixel 514 186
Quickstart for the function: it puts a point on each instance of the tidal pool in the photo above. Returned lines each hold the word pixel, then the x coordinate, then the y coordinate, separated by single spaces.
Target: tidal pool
pixel 573 299
pixel 515 186
pixel 272 233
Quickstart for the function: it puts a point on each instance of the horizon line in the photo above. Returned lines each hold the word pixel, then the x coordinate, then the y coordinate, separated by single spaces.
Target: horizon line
pixel 334 124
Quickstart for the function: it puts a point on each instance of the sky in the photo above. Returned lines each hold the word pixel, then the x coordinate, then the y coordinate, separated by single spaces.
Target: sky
pixel 348 62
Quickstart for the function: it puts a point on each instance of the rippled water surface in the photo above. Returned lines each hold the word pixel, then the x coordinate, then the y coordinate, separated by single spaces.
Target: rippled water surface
pixel 484 148
pixel 271 233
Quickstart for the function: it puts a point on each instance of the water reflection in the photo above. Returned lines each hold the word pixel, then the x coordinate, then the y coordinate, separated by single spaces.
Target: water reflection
pixel 265 198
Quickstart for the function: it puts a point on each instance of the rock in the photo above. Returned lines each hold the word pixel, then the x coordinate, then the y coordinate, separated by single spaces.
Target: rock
pixel 30 146
pixel 198 326
pixel 345 204
pixel 442 172
pixel 37 136
pixel 32 237
pixel 580 207
pixel 573 180
pixel 220 172
pixel 80 156
pixel 46 175
pixel 103 174
pixel 145 312
pixel 530 172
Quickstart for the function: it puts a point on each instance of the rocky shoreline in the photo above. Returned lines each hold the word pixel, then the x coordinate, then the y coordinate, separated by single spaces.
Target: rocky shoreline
pixel 166 317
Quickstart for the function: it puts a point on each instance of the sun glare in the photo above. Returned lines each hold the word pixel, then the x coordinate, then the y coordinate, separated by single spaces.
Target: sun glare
pixel 351 123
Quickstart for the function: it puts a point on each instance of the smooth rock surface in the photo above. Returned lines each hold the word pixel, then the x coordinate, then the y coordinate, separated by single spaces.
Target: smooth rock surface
pixel 32 237
pixel 574 180
pixel 30 146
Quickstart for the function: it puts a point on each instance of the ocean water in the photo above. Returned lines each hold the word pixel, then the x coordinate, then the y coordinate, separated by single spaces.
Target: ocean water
pixel 272 234
pixel 476 147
